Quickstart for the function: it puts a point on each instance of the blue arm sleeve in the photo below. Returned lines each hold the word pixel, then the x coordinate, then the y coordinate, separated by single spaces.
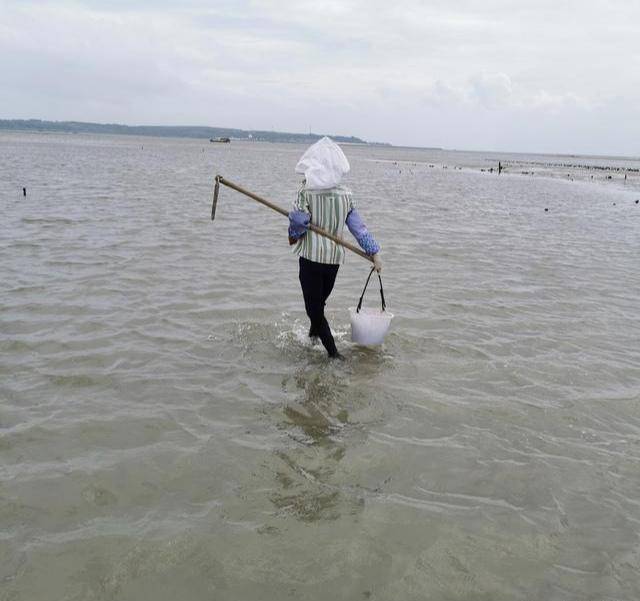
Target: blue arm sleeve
pixel 298 224
pixel 359 230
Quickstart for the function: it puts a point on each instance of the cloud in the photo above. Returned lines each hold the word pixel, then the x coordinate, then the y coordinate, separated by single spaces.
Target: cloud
pixel 556 103
pixel 492 89
pixel 443 94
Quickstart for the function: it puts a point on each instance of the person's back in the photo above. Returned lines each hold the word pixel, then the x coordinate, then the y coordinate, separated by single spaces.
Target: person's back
pixel 323 202
pixel 329 210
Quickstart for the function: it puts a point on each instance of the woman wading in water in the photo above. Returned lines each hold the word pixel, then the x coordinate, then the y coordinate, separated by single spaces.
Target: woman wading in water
pixel 323 202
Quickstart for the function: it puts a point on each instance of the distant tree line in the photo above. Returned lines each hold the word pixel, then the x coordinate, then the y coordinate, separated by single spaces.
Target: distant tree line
pixel 175 131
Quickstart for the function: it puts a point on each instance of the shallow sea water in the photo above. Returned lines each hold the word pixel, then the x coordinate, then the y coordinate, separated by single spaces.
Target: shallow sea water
pixel 168 432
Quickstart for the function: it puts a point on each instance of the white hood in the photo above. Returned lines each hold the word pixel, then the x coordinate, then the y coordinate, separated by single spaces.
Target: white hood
pixel 323 165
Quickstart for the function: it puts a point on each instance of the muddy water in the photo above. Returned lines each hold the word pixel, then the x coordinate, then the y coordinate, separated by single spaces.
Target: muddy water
pixel 168 432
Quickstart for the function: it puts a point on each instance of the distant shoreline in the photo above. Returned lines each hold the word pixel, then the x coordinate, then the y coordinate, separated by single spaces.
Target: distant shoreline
pixel 205 133
pixel 172 131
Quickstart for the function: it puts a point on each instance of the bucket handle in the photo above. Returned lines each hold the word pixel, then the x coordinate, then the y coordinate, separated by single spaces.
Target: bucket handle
pixel 384 305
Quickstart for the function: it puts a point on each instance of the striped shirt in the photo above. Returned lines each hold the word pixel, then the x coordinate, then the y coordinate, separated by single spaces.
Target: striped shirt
pixel 329 210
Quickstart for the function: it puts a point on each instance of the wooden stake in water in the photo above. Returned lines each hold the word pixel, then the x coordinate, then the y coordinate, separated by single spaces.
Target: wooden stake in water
pixel 314 228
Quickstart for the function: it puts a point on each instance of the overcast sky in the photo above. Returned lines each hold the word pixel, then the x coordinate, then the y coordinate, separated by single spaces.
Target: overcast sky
pixel 522 75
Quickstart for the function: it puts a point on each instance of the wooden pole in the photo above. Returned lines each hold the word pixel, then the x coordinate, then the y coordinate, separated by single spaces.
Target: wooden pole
pixel 313 228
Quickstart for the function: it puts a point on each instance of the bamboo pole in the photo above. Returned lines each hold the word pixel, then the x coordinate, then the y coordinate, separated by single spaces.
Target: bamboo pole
pixel 264 201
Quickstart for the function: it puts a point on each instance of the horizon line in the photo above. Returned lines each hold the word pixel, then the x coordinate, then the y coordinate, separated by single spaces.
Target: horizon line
pixel 310 134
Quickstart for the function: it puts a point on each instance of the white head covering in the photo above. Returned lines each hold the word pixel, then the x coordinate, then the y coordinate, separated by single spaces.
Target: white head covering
pixel 323 165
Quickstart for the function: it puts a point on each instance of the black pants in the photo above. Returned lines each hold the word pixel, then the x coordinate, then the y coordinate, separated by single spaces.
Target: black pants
pixel 317 281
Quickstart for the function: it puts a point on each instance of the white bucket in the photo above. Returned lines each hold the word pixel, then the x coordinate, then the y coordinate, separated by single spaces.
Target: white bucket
pixel 369 326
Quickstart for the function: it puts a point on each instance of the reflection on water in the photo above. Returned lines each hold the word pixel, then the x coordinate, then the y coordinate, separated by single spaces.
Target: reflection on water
pixel 317 421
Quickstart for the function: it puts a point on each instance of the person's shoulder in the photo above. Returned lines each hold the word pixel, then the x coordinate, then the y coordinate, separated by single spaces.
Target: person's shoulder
pixel 328 191
pixel 345 190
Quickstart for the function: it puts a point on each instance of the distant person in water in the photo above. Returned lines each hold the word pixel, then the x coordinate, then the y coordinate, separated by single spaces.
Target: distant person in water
pixel 323 202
